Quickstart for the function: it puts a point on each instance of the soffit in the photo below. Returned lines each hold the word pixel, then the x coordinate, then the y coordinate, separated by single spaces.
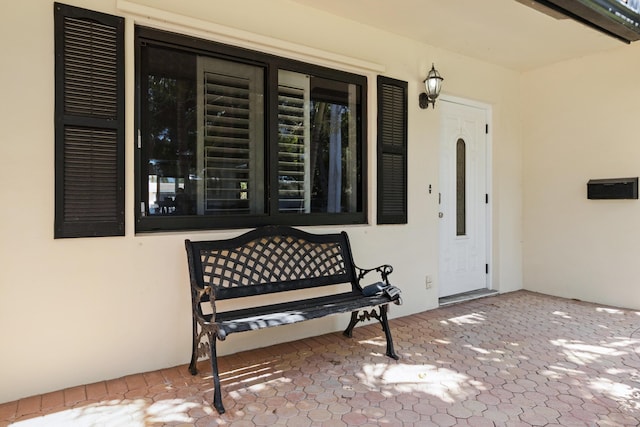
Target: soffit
pixel 501 32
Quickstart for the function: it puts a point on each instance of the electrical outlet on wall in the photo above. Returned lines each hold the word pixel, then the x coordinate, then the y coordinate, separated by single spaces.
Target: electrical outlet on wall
pixel 428 281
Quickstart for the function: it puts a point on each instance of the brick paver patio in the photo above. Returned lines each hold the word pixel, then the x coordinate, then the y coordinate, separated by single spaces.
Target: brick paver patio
pixel 519 359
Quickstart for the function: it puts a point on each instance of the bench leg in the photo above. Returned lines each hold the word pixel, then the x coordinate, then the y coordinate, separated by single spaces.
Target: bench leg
pixel 193 369
pixel 387 332
pixel 382 318
pixel 217 393
pixel 213 358
pixel 354 320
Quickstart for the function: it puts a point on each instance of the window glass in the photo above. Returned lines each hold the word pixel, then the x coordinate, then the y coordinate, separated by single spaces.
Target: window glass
pixel 317 145
pixel 209 157
pixel 169 136
pixel 203 133
pixel 461 188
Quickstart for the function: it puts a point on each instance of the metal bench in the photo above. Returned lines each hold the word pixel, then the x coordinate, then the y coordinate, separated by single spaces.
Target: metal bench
pixel 275 259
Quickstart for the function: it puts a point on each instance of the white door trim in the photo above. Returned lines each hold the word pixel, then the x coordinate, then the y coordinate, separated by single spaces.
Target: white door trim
pixel 489 174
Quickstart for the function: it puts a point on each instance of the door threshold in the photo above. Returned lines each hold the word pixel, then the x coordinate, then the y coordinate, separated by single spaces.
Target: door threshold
pixel 466 296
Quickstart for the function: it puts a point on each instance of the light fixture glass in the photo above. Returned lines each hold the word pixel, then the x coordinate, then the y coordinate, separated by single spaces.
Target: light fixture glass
pixel 432 85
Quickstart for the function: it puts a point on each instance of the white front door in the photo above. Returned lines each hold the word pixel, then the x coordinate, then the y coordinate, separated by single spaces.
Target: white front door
pixel 463 199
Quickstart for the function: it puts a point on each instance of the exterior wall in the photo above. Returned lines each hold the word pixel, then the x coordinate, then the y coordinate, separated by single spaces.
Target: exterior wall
pixel 581 122
pixel 76 311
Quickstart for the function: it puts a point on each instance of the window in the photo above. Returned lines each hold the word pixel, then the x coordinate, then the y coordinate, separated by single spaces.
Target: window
pixel 461 187
pixel 392 151
pixel 89 120
pixel 235 138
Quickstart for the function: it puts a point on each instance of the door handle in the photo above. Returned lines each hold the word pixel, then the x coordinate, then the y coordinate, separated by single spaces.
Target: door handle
pixel 440 214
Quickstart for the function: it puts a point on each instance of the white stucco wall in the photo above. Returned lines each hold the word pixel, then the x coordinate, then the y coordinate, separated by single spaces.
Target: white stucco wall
pixel 581 122
pixel 75 311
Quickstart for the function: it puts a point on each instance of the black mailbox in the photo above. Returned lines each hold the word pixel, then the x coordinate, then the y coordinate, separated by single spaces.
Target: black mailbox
pixel 614 188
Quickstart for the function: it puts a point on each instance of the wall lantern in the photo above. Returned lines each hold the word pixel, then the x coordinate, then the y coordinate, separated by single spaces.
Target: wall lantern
pixel 432 84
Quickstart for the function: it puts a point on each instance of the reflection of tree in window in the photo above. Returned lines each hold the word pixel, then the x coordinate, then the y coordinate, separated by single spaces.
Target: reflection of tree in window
pixel 170 123
pixel 333 147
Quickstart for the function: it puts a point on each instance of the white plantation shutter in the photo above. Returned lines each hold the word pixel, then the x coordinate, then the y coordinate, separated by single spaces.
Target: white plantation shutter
pixel 231 137
pixel 294 133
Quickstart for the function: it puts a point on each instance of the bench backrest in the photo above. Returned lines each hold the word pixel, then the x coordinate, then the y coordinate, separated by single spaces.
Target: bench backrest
pixel 270 259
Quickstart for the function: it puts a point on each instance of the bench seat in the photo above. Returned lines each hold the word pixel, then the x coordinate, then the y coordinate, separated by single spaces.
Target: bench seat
pixel 254 318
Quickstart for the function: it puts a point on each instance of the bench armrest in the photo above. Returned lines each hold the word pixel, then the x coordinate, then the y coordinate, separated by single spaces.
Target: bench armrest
pixel 380 287
pixel 197 301
pixel 207 321
pixel 384 270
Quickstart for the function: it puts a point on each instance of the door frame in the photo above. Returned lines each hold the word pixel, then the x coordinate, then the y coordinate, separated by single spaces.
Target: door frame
pixel 489 176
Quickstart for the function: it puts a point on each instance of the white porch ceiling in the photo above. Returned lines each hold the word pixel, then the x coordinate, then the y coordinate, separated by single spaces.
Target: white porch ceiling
pixel 502 32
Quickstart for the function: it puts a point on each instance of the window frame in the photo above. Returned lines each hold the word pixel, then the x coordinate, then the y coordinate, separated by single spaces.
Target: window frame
pixel 271 64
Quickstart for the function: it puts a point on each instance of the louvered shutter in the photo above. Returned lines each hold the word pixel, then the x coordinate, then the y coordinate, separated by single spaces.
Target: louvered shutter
pixel 392 151
pixel 294 123
pixel 231 143
pixel 89 123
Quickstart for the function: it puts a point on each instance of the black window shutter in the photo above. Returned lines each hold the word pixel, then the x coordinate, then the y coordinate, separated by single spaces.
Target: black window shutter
pixel 89 120
pixel 392 151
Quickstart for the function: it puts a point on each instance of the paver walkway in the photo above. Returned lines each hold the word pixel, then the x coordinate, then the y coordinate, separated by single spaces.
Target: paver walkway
pixel 519 359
